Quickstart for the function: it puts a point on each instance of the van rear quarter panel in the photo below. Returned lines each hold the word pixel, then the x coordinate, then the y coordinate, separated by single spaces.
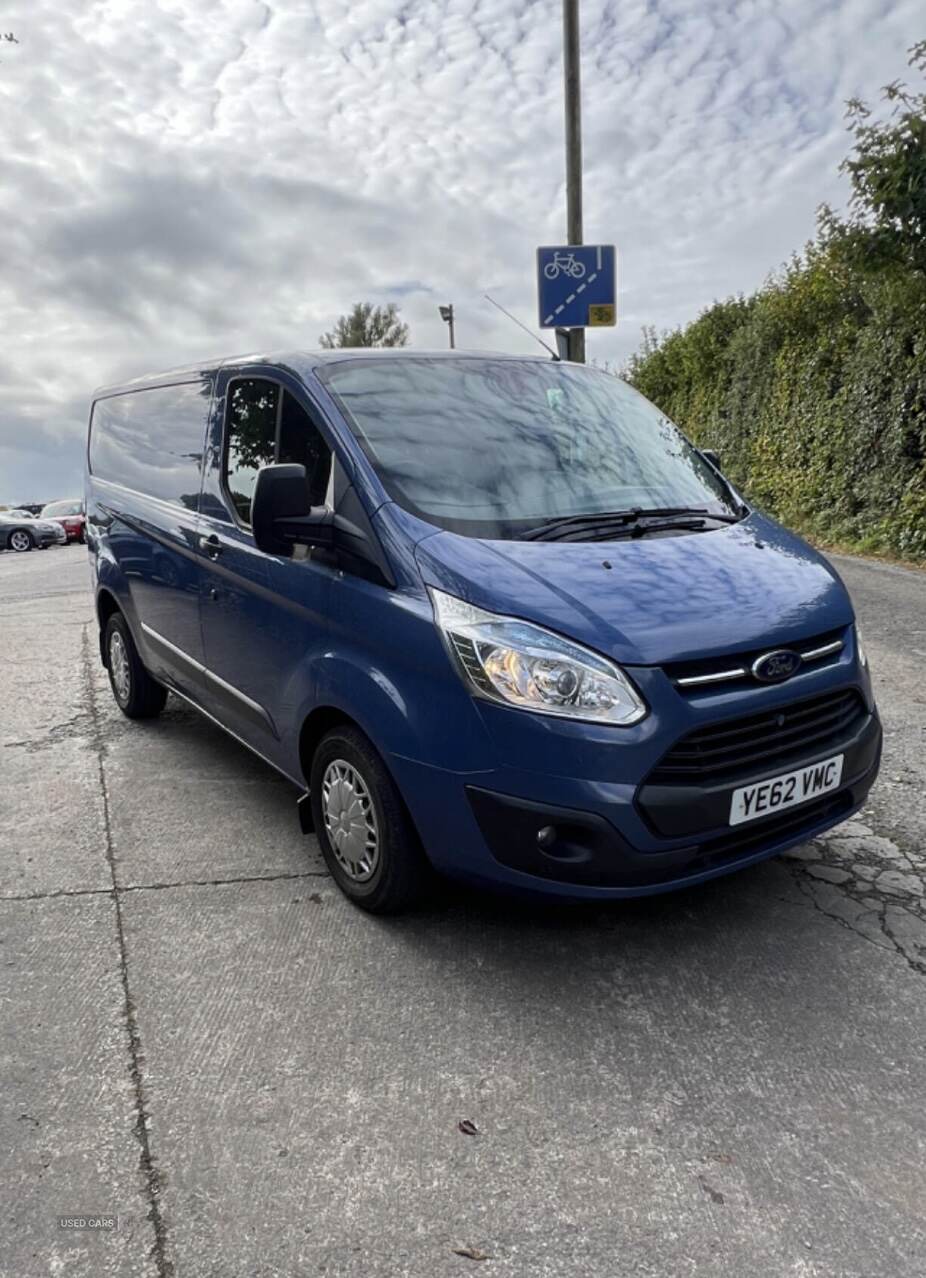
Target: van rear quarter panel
pixel 144 467
pixel 148 558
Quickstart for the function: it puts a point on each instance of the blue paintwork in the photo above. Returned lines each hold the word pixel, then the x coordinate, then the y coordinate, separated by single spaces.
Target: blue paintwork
pixel 296 636
pixel 663 597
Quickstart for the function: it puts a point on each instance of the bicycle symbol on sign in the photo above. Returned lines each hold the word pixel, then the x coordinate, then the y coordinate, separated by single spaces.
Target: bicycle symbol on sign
pixel 566 264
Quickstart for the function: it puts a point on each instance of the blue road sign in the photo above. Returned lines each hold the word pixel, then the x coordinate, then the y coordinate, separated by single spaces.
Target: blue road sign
pixel 577 286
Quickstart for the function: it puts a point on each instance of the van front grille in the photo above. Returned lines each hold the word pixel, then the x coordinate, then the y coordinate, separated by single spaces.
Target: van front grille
pixel 774 738
pixel 720 673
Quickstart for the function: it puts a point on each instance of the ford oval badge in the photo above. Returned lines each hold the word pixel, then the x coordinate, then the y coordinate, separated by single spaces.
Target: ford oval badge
pixel 775 667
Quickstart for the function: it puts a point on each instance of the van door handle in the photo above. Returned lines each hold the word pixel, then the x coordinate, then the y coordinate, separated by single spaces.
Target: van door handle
pixel 210 546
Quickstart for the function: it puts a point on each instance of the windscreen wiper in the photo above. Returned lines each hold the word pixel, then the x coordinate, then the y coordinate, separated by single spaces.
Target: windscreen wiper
pixel 572 527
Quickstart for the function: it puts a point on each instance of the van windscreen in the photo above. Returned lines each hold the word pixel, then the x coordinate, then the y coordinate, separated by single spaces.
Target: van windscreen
pixel 486 447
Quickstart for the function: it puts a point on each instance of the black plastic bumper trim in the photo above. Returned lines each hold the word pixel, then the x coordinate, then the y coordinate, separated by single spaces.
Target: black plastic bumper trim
pixel 588 851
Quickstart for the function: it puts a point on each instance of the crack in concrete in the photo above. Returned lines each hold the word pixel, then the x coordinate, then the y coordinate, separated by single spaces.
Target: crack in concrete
pixel 864 882
pixel 245 878
pixel 125 888
pixel 79 725
pixel 152 1177
pixel 806 889
pixel 54 896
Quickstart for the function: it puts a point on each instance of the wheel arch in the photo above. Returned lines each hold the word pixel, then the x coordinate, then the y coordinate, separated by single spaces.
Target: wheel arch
pixel 106 605
pixel 317 723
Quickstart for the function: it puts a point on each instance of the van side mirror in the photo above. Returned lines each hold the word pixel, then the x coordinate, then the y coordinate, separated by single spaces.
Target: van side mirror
pixel 281 516
pixel 712 457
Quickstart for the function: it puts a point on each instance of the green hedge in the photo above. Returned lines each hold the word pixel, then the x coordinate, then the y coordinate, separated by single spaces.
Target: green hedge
pixel 814 393
pixel 814 389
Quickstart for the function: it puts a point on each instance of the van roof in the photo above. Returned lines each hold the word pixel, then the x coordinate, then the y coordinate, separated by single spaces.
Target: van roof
pixel 303 362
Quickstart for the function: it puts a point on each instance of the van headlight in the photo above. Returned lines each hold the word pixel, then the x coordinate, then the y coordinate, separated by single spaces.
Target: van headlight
pixel 860 647
pixel 523 665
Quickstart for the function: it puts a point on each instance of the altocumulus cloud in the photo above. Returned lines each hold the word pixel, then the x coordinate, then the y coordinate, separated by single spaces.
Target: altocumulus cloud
pixel 188 177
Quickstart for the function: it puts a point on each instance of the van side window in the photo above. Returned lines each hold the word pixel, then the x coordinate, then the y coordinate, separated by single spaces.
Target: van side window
pixel 251 432
pixel 266 424
pixel 152 440
pixel 301 441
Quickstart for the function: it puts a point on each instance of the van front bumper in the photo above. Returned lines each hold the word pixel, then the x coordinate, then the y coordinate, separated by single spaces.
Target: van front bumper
pixel 554 836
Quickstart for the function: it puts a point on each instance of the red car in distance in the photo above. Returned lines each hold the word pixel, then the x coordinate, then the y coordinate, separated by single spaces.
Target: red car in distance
pixel 69 514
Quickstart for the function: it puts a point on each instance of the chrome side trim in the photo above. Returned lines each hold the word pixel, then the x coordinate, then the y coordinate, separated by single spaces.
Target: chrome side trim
pixel 721 677
pixel 178 652
pixel 236 692
pixel 254 706
pixel 814 654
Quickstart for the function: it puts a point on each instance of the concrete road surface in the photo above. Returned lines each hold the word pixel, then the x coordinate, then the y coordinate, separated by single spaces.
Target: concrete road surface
pixel 200 1038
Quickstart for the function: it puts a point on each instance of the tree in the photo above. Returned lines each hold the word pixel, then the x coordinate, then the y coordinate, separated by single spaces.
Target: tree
pixel 367 325
pixel 886 225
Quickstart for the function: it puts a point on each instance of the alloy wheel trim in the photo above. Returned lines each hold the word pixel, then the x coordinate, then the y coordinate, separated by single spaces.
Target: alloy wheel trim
pixel 119 668
pixel 350 820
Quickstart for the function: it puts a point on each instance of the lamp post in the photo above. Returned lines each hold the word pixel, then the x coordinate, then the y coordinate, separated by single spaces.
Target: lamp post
pixel 446 314
pixel 573 99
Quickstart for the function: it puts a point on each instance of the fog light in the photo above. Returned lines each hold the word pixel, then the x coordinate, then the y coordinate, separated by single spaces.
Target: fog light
pixel 546 836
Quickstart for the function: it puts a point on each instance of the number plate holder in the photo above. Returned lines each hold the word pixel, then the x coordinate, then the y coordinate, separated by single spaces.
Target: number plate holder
pixel 763 798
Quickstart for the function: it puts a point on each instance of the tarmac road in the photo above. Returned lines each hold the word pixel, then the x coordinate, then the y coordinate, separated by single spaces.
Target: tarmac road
pixel 200 1037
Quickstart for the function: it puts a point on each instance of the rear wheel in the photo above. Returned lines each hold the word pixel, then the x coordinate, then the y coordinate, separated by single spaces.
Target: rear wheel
pixel 137 695
pixel 366 835
pixel 21 540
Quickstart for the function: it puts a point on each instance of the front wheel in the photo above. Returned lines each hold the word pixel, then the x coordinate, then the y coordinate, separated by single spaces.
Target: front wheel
pixel 21 541
pixel 365 832
pixel 137 695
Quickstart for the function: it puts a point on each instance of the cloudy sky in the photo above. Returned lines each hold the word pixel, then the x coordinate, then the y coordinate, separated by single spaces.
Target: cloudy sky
pixel 184 178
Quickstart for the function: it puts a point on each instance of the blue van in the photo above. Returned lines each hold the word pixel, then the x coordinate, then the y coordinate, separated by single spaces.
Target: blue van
pixel 492 615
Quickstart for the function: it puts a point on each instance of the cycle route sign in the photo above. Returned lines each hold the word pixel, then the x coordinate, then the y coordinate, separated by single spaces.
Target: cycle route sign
pixel 577 285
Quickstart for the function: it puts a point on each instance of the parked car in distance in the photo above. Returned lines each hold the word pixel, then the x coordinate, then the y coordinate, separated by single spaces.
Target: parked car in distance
pixel 70 515
pixel 496 614
pixel 22 534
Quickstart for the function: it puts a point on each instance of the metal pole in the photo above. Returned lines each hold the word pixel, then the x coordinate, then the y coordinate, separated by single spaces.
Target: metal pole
pixel 573 93
pixel 450 321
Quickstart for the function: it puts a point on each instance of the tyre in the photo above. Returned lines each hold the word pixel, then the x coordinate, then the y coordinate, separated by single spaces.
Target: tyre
pixel 137 695
pixel 366 835
pixel 21 540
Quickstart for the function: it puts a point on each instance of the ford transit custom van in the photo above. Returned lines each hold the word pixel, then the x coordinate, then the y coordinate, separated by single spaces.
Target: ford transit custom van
pixel 491 615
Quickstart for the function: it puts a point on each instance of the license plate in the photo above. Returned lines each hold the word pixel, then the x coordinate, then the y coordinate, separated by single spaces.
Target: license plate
pixel 764 797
